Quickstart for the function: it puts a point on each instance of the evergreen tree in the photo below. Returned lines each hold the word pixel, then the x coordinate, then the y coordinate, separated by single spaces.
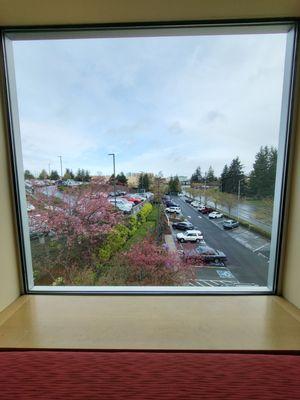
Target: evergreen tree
pixel 28 174
pixel 224 179
pixel 272 165
pixel 174 185
pixel 210 176
pixel 235 175
pixel 262 177
pixel 43 174
pixel 197 176
pixel 54 175
pixel 144 182
pixel 80 175
pixel 121 179
pixel 67 174
pixel 86 176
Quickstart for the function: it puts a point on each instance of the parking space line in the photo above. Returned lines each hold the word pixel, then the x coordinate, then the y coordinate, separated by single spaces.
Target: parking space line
pixel 261 247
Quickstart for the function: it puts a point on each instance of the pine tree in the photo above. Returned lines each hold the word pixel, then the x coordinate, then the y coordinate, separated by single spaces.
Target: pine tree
pixel 235 177
pixel 224 179
pixel 197 176
pixel 210 176
pixel 28 174
pixel 54 175
pixel 174 185
pixel 271 176
pixel 258 176
pixel 67 174
pixel 43 174
pixel 144 182
pixel 86 176
pixel 121 179
pixel 263 175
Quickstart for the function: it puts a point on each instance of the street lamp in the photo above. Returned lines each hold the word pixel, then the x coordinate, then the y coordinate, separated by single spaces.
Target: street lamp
pixel 61 174
pixel 114 169
pixel 239 196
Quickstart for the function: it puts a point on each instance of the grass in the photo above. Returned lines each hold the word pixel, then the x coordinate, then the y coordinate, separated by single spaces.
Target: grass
pixel 249 226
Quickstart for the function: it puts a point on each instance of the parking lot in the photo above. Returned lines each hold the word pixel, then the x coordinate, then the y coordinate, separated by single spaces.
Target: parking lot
pixel 245 264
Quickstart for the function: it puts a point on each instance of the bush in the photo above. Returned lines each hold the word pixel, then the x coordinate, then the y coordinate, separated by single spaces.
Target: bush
pixel 115 241
pixel 144 213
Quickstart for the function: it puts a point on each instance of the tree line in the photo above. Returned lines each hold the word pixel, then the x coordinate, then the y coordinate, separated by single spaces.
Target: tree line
pixel 260 183
pixel 82 175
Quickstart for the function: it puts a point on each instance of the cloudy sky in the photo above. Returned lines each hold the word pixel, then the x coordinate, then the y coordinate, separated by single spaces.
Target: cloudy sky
pixel 160 103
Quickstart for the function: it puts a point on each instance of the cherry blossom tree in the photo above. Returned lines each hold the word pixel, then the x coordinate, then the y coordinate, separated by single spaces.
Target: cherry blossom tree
pixel 77 221
pixel 147 263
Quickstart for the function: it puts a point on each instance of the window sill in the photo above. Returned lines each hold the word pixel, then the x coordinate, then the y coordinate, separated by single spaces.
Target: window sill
pixel 159 322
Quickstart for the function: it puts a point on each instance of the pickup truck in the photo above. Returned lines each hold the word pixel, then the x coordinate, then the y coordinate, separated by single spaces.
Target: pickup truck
pixel 205 254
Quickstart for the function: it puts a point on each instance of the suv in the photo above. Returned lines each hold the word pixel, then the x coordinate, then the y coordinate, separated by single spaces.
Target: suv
pixel 205 210
pixel 183 225
pixel 173 209
pixel 215 214
pixel 190 236
pixel 230 224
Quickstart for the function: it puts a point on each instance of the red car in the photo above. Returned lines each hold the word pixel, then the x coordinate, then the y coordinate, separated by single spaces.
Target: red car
pixel 135 200
pixel 206 210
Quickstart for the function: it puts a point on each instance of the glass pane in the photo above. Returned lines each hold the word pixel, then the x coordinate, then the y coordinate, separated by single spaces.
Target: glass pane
pixel 124 138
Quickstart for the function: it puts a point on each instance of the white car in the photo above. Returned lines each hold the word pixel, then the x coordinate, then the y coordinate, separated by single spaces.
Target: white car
pixel 190 236
pixel 200 208
pixel 215 214
pixel 121 204
pixel 173 209
pixel 195 203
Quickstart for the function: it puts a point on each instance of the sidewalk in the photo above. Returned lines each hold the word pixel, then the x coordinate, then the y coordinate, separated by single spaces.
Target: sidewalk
pixel 170 243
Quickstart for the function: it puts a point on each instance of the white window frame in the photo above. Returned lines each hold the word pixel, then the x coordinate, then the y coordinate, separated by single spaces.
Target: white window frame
pixel 142 30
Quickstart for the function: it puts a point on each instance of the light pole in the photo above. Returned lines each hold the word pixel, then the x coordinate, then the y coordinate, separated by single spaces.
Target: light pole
pixel 49 169
pixel 61 174
pixel 239 196
pixel 114 169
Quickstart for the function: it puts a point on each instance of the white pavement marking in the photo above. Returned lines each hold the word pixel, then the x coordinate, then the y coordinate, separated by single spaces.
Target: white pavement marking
pixel 199 216
pixel 260 247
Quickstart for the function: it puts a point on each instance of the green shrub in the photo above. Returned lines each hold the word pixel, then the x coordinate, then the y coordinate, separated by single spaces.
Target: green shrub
pixel 144 213
pixel 115 241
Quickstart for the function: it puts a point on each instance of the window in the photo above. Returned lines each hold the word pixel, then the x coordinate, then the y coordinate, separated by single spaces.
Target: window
pixel 125 139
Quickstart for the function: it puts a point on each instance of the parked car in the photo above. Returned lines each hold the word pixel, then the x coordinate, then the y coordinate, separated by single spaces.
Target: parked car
pixel 133 199
pixel 122 204
pixel 173 209
pixel 205 254
pixel 170 203
pixel 215 214
pixel 230 224
pixel 188 200
pixel 190 236
pixel 183 225
pixel 205 210
pixel 195 203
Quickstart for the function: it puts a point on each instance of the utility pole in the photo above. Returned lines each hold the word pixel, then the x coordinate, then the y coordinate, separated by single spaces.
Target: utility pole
pixel 239 197
pixel 114 169
pixel 49 169
pixel 61 174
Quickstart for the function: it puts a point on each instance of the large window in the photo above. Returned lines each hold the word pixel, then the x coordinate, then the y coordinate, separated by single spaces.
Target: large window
pixel 151 159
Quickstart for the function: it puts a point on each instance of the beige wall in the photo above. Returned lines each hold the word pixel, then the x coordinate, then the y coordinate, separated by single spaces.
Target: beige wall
pixel 20 12
pixel 9 271
pixel 39 12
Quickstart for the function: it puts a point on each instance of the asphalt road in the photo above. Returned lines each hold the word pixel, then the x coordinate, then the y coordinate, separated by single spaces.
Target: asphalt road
pixel 246 266
pixel 246 212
